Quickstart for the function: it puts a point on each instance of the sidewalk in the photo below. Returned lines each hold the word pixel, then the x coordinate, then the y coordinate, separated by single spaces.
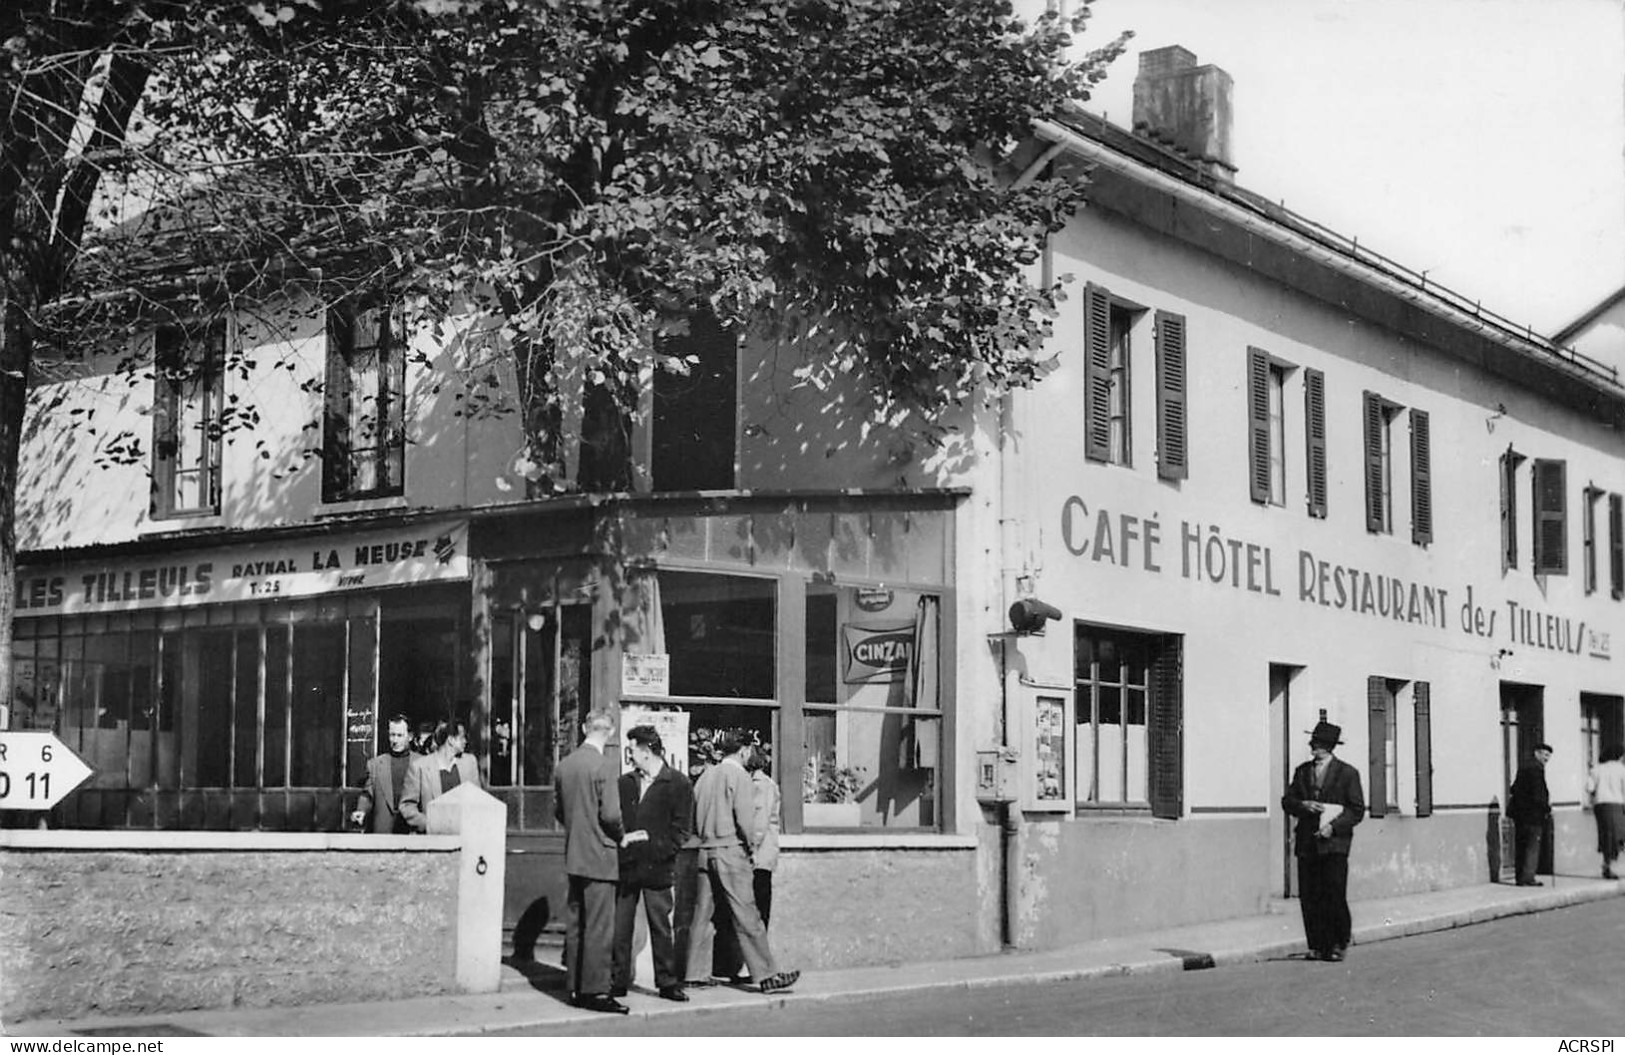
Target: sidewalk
pixel 535 1000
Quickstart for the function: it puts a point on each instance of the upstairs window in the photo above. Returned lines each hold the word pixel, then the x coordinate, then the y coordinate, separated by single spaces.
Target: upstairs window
pixel 1551 516
pixel 364 442
pixel 693 433
pixel 1378 414
pixel 1108 325
pixel 188 421
pixel 1266 421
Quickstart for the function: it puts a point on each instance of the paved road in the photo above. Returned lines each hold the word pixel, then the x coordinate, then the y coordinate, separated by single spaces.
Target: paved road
pixel 1550 974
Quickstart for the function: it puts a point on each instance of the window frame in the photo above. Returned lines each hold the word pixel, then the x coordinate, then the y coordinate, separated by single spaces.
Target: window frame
pixel 388 449
pixel 1377 414
pixel 179 375
pixel 1108 416
pixel 1163 714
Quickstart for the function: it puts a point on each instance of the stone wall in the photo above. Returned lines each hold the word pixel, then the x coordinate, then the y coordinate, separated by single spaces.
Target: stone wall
pixel 278 920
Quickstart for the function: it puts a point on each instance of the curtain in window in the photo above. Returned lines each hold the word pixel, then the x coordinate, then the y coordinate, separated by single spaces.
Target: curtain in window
pixel 920 750
pixel 646 628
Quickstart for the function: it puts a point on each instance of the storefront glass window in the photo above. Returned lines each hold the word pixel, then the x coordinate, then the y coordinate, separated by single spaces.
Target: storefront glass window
pixel 873 722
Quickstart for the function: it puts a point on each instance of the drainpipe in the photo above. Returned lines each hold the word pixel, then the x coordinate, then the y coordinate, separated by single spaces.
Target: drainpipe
pixel 1010 831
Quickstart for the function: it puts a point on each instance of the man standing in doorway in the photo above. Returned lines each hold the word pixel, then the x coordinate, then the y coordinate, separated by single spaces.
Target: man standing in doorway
pixel 1327 798
pixel 386 778
pixel 588 804
pixel 1529 805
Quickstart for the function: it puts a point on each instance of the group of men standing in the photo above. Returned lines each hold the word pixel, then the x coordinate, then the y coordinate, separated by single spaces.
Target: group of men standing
pixel 622 835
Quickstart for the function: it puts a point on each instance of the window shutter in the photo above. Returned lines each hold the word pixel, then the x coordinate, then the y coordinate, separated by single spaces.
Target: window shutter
pixel 1097 373
pixel 163 419
pixel 1314 421
pixel 1551 516
pixel 1423 702
pixel 1172 445
pixel 336 404
pixel 1371 412
pixel 1376 697
pixel 1616 546
pixel 1509 508
pixel 1166 733
pixel 1421 480
pixel 1588 531
pixel 1258 423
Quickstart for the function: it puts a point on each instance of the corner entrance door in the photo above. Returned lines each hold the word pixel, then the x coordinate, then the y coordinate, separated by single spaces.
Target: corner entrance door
pixel 1523 723
pixel 1281 748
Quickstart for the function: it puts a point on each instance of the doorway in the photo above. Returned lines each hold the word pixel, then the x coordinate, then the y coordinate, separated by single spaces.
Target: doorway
pixel 1523 725
pixel 1283 875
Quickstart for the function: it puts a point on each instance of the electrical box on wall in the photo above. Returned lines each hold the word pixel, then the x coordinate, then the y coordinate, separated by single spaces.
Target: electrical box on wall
pixel 996 776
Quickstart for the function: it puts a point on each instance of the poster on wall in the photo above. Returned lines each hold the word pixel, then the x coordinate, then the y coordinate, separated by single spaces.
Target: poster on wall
pixel 672 727
pixel 1047 777
pixel 877 654
pixel 645 674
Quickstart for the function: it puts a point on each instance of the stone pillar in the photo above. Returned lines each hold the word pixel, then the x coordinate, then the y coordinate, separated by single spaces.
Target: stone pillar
pixel 481 823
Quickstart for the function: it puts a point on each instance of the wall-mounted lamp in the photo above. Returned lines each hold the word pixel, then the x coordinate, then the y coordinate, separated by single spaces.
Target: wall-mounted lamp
pixel 1028 615
pixel 1500 412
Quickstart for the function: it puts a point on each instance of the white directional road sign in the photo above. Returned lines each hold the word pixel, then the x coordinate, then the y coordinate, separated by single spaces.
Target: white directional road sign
pixel 37 770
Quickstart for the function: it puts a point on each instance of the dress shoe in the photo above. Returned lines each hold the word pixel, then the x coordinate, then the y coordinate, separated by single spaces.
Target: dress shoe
pixel 700 983
pixel 1606 874
pixel 602 1002
pixel 1314 954
pixel 673 992
pixel 1530 882
pixel 778 983
pixel 1338 953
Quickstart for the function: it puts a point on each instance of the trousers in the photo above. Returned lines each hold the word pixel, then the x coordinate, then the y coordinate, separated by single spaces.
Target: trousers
pixel 1526 839
pixel 726 885
pixel 1323 885
pixel 589 937
pixel 657 909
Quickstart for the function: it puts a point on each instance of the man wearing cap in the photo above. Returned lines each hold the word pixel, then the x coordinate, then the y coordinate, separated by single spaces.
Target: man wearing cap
pixel 1327 798
pixel 1529 804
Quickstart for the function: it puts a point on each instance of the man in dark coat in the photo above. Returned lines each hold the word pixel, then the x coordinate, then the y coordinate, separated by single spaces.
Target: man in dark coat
pixel 657 810
pixel 1529 804
pixel 1327 798
pixel 587 803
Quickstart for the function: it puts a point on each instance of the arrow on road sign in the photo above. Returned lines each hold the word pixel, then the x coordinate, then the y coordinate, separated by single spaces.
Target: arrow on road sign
pixel 37 770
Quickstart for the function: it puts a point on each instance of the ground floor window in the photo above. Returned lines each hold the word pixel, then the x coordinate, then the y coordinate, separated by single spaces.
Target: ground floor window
pixel 1602 723
pixel 251 716
pixel 1130 715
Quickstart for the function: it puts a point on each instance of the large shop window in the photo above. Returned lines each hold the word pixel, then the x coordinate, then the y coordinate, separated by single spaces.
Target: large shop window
pixel 872 731
pixel 188 421
pixel 232 716
pixel 1130 719
pixel 364 453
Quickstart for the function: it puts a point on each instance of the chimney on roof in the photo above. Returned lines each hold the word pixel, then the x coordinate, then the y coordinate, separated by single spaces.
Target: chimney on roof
pixel 1186 107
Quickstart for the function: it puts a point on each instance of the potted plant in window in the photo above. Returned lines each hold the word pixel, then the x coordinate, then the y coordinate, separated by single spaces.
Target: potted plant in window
pixel 829 793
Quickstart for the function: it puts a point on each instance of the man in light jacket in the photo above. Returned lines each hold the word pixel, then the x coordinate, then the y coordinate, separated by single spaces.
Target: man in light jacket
pixel 386 782
pixel 724 808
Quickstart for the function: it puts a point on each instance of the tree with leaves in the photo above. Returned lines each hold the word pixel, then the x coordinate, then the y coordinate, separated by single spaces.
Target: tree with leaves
pixel 586 176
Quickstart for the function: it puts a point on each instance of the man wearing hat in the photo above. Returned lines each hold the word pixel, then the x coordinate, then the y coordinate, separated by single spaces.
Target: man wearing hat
pixel 1327 798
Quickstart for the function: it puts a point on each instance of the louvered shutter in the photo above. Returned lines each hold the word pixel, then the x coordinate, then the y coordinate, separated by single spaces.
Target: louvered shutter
pixel 1551 516
pixel 1166 733
pixel 1616 546
pixel 1172 444
pixel 1376 697
pixel 336 400
pixel 1423 701
pixel 1258 423
pixel 164 392
pixel 1509 508
pixel 1314 427
pixel 1097 373
pixel 1588 543
pixel 1372 414
pixel 1421 480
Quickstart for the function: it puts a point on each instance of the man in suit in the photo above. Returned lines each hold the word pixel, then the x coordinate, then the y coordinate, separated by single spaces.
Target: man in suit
pixel 386 779
pixel 657 811
pixel 432 775
pixel 587 802
pixel 1529 804
pixel 1327 798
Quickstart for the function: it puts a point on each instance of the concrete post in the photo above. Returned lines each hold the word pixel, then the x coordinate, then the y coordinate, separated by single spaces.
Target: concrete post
pixel 481 823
